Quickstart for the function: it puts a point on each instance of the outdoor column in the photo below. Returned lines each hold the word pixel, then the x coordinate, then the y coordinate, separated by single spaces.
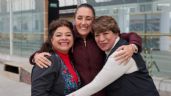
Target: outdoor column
pixel 164 29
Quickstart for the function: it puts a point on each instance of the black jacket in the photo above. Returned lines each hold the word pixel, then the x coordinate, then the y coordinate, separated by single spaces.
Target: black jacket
pixel 52 81
pixel 48 81
pixel 138 83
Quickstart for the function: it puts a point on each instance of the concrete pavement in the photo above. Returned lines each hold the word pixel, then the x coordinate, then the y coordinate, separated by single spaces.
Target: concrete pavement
pixel 10 87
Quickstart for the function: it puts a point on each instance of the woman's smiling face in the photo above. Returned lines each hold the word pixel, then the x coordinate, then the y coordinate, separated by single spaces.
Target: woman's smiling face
pixel 83 21
pixel 62 39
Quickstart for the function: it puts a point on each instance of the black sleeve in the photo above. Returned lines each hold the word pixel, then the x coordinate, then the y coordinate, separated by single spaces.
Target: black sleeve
pixel 43 80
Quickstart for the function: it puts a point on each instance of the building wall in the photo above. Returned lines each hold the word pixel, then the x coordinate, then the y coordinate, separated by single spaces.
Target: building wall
pixel 151 19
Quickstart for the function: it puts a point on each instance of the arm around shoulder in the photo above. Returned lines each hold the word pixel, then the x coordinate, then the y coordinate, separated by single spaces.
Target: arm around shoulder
pixel 133 38
pixel 31 58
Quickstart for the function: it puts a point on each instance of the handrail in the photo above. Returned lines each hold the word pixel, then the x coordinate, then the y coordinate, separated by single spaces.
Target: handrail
pixel 158 34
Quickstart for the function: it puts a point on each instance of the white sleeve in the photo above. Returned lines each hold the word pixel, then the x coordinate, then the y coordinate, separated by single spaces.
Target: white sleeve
pixel 109 73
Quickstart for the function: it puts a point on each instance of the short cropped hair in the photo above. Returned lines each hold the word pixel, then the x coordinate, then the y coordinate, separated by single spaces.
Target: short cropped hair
pixel 105 23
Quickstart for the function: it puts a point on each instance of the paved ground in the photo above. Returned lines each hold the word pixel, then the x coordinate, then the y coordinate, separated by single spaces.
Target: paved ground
pixel 10 87
pixel 13 88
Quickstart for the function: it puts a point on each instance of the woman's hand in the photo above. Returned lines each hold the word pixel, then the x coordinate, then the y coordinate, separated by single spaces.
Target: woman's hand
pixel 124 53
pixel 41 60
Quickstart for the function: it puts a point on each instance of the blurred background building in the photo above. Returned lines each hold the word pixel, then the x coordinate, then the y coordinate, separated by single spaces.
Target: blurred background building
pixel 24 25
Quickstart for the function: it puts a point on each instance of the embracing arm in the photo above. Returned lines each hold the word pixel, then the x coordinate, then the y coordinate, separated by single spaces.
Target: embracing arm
pixel 31 58
pixel 40 59
pixel 133 38
pixel 135 45
pixel 109 73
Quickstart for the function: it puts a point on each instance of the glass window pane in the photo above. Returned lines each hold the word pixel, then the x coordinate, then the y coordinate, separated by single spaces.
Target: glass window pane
pixel 149 18
pixel 27 26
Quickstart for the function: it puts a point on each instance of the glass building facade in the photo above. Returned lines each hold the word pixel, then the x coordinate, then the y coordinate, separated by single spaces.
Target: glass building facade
pixel 24 21
pixel 151 19
pixel 22 25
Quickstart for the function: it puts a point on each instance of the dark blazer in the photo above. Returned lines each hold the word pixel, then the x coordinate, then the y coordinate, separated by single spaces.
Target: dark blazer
pixel 54 80
pixel 138 83
pixel 48 81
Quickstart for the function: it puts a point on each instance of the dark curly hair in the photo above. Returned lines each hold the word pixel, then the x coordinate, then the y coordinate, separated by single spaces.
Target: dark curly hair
pixel 47 45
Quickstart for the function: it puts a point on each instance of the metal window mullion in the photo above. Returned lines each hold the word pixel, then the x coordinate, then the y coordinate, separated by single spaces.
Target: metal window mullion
pixel 11 28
